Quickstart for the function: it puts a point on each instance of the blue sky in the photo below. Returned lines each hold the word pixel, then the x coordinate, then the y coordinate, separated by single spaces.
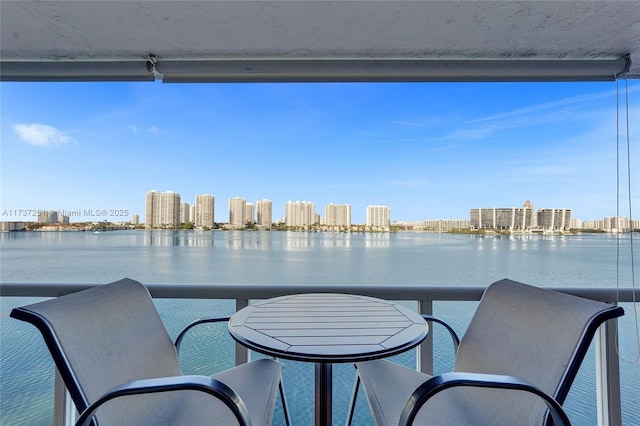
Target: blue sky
pixel 428 151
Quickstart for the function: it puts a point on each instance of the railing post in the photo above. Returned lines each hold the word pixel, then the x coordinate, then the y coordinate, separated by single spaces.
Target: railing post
pixel 424 357
pixel 64 412
pixel 242 353
pixel 608 375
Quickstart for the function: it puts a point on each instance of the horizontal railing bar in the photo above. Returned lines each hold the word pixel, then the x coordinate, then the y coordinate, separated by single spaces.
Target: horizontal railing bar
pixel 264 291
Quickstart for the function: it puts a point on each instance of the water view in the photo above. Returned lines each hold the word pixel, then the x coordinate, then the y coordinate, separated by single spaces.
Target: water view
pixel 262 257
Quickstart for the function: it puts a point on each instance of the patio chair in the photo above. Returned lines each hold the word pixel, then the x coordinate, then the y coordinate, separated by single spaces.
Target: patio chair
pixel 121 367
pixel 514 365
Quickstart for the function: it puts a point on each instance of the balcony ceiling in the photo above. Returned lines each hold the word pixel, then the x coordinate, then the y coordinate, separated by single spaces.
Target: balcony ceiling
pixel 318 41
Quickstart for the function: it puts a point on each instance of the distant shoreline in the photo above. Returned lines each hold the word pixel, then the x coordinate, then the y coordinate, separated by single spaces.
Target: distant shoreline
pixel 355 229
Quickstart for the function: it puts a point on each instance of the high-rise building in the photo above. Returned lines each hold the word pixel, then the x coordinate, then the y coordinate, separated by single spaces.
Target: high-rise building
pixel 149 204
pixel 524 218
pixel 237 212
pixel 162 209
pixel 337 215
pixel 378 217
pixel 135 219
pixel 554 219
pixel 184 213
pixel 503 218
pixel 299 213
pixel 249 211
pixel 445 224
pixel 204 211
pixel 43 216
pixel 50 216
pixel 265 212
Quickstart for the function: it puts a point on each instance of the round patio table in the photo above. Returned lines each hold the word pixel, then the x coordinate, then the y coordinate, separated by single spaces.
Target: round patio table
pixel 327 328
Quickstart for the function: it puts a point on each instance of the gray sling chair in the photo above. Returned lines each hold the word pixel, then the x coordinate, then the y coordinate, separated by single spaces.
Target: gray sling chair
pixel 514 365
pixel 113 352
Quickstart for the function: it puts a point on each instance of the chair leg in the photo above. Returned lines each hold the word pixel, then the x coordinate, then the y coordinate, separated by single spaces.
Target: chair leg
pixel 354 397
pixel 285 407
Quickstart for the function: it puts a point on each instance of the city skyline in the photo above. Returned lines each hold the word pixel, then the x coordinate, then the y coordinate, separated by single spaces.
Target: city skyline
pixel 161 208
pixel 192 215
pixel 166 210
pixel 425 150
pixel 303 214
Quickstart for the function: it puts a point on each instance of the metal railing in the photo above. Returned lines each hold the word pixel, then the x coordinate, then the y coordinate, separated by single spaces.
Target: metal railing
pixel 607 363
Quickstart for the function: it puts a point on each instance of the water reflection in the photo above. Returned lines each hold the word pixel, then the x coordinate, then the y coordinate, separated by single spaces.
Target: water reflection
pixel 258 240
pixel 308 240
pixel 377 239
pixel 160 238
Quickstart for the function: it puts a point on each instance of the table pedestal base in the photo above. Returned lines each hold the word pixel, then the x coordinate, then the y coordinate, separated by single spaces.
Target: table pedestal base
pixel 324 394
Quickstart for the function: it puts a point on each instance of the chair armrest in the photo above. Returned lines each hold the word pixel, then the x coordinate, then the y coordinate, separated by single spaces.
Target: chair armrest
pixel 448 380
pixel 167 384
pixel 454 336
pixel 193 324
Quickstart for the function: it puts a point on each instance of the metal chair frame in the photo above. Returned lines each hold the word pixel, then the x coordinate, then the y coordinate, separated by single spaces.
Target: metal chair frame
pixel 203 384
pixel 556 415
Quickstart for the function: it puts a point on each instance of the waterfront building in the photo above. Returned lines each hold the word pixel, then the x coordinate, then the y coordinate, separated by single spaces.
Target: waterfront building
pixel 299 213
pixel 237 212
pixel 378 217
pixel 265 212
pixel 63 219
pixel 204 211
pixel 162 209
pixel 249 213
pixel 507 218
pixel 337 215
pixel 554 219
pixel 149 201
pixel 617 224
pixel 45 216
pixel 184 213
pixel 135 219
pixel 445 224
pixel 12 226
pixel 612 224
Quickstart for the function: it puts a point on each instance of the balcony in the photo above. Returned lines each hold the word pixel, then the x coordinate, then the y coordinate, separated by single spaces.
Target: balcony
pixel 608 382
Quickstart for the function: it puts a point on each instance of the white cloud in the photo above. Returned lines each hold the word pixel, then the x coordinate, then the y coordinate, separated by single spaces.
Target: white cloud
pixel 155 130
pixel 42 135
pixel 134 129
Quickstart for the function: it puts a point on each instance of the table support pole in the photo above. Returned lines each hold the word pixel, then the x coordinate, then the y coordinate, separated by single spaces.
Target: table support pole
pixel 324 394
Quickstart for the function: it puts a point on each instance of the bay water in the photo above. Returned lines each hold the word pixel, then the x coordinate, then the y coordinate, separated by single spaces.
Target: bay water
pixel 264 257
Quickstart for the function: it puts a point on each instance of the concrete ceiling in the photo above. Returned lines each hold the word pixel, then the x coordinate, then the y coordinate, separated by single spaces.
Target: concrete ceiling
pixel 318 40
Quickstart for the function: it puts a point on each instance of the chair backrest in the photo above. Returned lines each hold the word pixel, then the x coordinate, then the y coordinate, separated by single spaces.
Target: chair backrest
pixel 102 337
pixel 536 334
